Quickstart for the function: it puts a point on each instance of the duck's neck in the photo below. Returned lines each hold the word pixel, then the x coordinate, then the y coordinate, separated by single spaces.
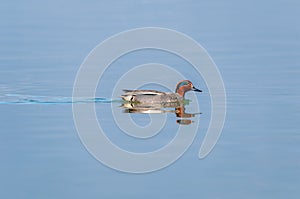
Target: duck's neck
pixel 180 91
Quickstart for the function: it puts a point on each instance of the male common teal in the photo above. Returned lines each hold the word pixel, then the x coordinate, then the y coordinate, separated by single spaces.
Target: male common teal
pixel 157 97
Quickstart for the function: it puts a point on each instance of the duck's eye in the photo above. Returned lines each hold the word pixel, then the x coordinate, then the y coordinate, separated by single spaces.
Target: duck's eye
pixel 183 84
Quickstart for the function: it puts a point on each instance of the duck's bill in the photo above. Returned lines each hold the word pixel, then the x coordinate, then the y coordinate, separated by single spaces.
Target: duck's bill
pixel 196 89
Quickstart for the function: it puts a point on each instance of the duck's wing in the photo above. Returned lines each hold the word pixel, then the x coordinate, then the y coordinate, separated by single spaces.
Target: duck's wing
pixel 129 95
pixel 142 92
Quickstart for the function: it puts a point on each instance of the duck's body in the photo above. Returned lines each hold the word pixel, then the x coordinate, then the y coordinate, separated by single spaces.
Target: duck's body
pixel 156 97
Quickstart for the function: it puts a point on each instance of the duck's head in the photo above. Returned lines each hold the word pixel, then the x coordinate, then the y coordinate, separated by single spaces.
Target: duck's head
pixel 185 85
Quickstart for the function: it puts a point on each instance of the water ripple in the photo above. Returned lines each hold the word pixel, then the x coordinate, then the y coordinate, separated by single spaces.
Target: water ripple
pixel 34 99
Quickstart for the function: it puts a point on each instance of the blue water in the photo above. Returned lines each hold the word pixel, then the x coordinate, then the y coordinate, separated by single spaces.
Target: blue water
pixel 256 46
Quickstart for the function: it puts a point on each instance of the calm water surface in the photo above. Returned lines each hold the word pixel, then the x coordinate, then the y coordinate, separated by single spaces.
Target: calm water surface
pixel 256 47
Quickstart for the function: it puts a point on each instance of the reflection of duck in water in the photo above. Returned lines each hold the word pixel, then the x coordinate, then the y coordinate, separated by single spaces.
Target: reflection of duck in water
pixel 180 112
pixel 157 97
pixel 151 101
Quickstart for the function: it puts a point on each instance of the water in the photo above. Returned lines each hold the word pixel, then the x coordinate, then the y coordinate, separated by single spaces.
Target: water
pixel 256 47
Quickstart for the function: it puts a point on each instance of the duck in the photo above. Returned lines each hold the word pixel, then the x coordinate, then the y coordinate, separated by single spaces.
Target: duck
pixel 158 97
